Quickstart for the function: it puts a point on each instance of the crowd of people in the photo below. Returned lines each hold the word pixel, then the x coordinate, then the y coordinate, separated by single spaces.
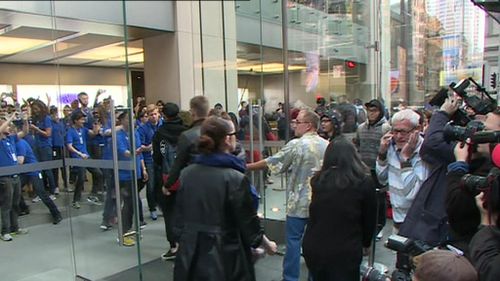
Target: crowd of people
pixel 347 163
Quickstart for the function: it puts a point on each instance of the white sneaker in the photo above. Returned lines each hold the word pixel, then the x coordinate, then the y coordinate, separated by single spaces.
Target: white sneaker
pixel 36 199
pixel 56 191
pixel 53 197
pixel 6 237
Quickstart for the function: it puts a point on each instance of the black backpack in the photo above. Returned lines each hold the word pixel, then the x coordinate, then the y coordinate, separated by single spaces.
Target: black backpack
pixel 168 152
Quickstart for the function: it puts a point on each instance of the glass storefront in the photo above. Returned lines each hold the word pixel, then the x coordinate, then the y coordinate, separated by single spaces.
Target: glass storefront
pixel 246 55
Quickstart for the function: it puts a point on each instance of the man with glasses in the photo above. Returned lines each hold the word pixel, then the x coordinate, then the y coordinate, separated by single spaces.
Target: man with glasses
pixel 399 164
pixel 301 158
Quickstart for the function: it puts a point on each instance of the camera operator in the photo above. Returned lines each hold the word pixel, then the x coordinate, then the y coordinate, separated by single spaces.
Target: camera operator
pixel 463 215
pixel 485 244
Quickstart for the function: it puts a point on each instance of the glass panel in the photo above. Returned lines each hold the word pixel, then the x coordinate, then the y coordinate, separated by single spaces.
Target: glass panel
pixel 28 39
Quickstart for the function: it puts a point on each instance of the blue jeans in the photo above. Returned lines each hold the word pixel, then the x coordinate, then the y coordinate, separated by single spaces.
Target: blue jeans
pixel 294 231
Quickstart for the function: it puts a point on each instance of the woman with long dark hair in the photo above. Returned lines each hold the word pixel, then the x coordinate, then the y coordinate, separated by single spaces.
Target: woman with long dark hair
pixel 341 215
pixel 216 236
pixel 41 128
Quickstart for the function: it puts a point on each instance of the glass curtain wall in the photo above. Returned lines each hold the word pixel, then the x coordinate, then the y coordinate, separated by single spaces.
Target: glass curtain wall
pixel 64 80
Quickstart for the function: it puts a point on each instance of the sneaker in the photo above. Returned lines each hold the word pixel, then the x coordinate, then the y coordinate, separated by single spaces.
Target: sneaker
pixel 53 197
pixel 128 241
pixel 57 219
pixel 94 200
pixel 154 215
pixel 36 199
pixel 56 191
pixel 24 212
pixel 76 205
pixel 379 235
pixel 20 231
pixel 6 237
pixel 143 225
pixel 105 226
pixel 170 255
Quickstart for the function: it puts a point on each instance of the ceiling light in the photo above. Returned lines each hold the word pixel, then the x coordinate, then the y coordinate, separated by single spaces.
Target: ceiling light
pixel 269 67
pixel 115 53
pixel 12 45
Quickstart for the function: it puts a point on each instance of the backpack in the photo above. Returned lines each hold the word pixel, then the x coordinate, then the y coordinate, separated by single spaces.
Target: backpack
pixel 168 152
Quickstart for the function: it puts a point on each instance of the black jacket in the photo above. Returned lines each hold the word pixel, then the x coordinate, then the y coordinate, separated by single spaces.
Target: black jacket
pixel 216 225
pixel 341 222
pixel 169 131
pixel 485 256
pixel 427 219
pixel 186 150
pixel 463 215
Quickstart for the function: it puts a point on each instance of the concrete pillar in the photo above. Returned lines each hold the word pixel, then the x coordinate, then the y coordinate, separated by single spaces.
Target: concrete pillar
pixel 199 58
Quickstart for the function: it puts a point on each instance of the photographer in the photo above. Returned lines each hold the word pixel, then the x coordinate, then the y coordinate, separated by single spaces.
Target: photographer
pixel 463 216
pixel 426 219
pixel 485 244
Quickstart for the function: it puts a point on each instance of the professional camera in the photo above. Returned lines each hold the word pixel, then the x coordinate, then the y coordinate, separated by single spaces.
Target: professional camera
pixel 473 131
pixel 479 105
pixel 475 184
pixel 372 274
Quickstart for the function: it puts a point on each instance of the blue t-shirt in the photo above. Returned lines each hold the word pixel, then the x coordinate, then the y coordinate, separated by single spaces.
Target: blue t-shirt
pixel 24 149
pixel 146 132
pixel 42 141
pixel 8 156
pixel 78 138
pixel 58 131
pixel 123 144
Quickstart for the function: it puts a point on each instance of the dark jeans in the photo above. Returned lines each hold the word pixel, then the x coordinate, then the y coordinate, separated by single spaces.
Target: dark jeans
pixel 37 183
pixel 140 186
pixel 150 191
pixel 45 154
pixel 128 207
pixel 95 152
pixel 57 154
pixel 80 180
pixel 10 190
pixel 110 200
pixel 168 208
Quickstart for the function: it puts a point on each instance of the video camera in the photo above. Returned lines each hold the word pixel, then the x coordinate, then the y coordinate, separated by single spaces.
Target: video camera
pixel 475 184
pixel 473 131
pixel 479 105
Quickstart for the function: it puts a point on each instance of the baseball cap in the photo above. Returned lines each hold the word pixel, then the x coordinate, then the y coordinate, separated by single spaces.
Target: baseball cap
pixel 374 103
pixel 170 109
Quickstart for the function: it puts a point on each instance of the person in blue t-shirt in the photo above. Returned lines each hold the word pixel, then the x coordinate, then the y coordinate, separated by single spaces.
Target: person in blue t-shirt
pixel 148 126
pixel 25 155
pixel 125 176
pixel 76 142
pixel 41 128
pixel 58 133
pixel 10 187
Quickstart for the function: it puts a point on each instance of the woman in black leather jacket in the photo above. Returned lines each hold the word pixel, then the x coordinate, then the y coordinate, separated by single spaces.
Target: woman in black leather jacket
pixel 216 222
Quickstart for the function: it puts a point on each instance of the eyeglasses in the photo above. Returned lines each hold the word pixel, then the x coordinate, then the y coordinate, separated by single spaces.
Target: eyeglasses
pixel 326 120
pixel 232 134
pixel 301 122
pixel 402 131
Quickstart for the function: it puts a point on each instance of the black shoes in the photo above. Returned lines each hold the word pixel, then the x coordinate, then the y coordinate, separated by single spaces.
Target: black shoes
pixel 57 219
